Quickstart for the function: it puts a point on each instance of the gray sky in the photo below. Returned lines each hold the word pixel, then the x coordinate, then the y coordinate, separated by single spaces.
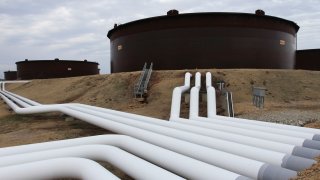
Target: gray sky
pixel 76 29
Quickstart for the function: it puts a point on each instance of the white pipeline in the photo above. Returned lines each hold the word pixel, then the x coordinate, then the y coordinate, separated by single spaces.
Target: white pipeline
pixel 57 168
pixel 266 144
pixel 231 162
pixel 184 124
pixel 260 173
pixel 182 165
pixel 270 125
pixel 128 163
pixel 194 111
pixel 254 133
pixel 296 131
pixel 2 83
pixel 194 97
pixel 293 133
pixel 236 148
pixel 211 97
pixel 173 144
pixel 176 96
pixel 30 102
pixel 263 155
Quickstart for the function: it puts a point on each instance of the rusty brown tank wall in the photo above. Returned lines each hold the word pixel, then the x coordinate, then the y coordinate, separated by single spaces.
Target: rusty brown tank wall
pixel 10 75
pixel 45 69
pixel 190 42
pixel 308 59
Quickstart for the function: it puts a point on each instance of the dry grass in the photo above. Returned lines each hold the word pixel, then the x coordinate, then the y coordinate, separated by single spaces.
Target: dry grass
pixel 26 129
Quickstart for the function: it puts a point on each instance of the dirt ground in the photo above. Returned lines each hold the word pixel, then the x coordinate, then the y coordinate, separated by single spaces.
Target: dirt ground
pixel 286 90
pixel 313 173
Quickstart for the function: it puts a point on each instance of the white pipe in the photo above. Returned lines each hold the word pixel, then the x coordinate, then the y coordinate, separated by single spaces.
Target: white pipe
pixel 194 97
pixel 271 145
pixel 236 121
pixel 270 124
pixel 2 87
pixel 104 123
pixel 28 110
pixel 302 139
pixel 211 97
pixel 176 96
pixel 30 102
pixel 194 114
pixel 21 100
pixel 128 163
pixel 309 133
pixel 252 141
pixel 17 100
pixel 212 156
pixel 254 133
pixel 182 165
pixel 266 125
pixel 57 168
pixel 224 160
pixel 194 111
pixel 226 146
pixel 293 133
pixel 264 155
pixel 220 133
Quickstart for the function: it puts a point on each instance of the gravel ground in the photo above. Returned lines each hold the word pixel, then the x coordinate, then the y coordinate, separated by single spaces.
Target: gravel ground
pixel 292 117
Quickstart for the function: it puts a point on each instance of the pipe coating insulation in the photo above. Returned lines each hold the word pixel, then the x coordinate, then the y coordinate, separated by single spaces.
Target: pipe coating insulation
pixel 164 141
pixel 211 97
pixel 246 151
pixel 252 141
pixel 176 96
pixel 230 162
pixel 293 133
pixel 182 165
pixel 57 168
pixel 263 155
pixel 193 126
pixel 194 97
pixel 130 164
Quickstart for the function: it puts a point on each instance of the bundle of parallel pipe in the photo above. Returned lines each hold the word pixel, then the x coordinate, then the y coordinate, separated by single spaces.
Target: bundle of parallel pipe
pixel 196 148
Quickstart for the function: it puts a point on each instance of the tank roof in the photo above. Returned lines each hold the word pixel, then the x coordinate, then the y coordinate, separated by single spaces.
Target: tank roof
pixel 185 20
pixel 56 60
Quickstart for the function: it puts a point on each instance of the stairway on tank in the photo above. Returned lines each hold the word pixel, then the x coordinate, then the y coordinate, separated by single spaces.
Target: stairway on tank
pixel 140 89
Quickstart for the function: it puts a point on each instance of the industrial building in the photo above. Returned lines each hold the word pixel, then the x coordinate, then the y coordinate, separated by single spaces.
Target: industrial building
pixel 45 69
pixel 204 40
pixel 10 75
pixel 308 59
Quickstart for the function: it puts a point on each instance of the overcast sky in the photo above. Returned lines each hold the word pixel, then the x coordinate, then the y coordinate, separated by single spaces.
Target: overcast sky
pixel 76 29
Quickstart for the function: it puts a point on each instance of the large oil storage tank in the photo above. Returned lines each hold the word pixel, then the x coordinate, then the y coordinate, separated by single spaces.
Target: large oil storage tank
pixel 204 40
pixel 45 69
pixel 10 75
pixel 308 59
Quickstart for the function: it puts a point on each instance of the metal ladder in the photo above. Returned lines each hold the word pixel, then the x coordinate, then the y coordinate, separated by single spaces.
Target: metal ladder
pixel 140 89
